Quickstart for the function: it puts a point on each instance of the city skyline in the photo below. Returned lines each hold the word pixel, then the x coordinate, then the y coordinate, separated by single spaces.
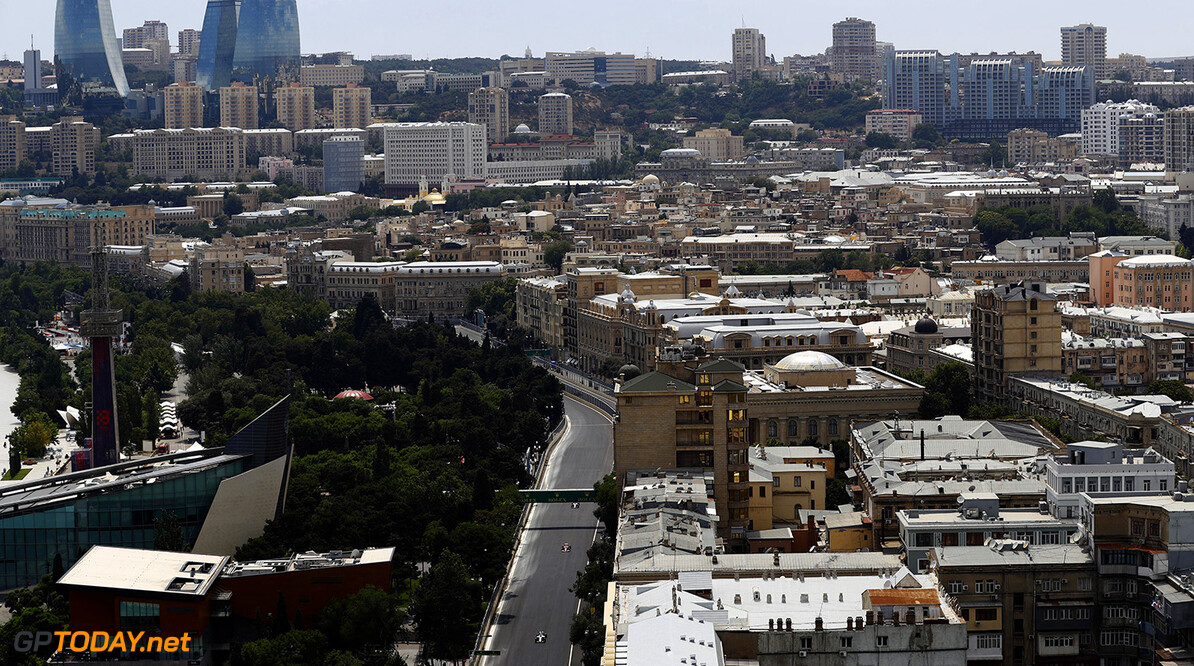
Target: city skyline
pixel 699 30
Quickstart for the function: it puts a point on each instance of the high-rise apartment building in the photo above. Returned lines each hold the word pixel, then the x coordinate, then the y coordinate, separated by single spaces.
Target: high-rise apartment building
pixel 188 42
pixel 73 143
pixel 238 106
pixel 1141 139
pixel 490 107
pixel 1085 45
pixel 12 142
pixel 589 67
pixel 343 164
pixel 1100 124
pixel 85 43
pixel 33 69
pixel 213 153
pixel 855 53
pixel 296 107
pixel 749 52
pixel 137 38
pixel 1016 330
pixel 415 151
pixel 217 268
pixel 267 39
pixel 217 44
pixel 1179 139
pixel 183 105
pixel 608 144
pixel 351 107
pixel 555 114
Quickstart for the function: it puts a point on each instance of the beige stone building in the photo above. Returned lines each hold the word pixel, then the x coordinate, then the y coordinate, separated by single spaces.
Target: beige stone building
pixel 785 480
pixel 74 142
pixel 331 75
pixel 555 114
pixel 64 236
pixel 213 153
pixel 898 123
pixel 719 145
pixel 351 106
pixel 12 142
pixel 183 106
pixel 490 107
pixel 217 268
pixel 1029 146
pixel 296 107
pixel 1016 331
pixel 539 307
pixel 749 49
pixel 238 106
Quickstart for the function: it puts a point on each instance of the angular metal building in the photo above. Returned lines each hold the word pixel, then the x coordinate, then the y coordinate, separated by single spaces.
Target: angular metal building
pixel 267 39
pixel 85 43
pixel 217 45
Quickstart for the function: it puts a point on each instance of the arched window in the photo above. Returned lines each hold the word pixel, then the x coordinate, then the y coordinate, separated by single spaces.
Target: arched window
pixel 793 428
pixel 772 429
pixel 812 428
pixel 832 427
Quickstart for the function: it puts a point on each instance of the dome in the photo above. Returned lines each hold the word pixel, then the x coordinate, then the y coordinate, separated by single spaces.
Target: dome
pixel 680 152
pixel 629 371
pixel 628 296
pixel 522 129
pixel 354 394
pixel 809 361
pixel 650 179
pixel 732 292
pixel 926 326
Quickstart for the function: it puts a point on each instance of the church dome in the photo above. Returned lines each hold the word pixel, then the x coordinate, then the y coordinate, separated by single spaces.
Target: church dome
pixel 522 129
pixel 926 326
pixel 809 361
pixel 650 179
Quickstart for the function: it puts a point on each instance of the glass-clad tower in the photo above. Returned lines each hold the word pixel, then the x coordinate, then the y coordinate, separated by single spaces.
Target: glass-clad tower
pixel 217 45
pixel 85 43
pixel 268 38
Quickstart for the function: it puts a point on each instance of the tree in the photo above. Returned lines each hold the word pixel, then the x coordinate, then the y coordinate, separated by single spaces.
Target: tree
pixel 947 391
pixel 363 620
pixel 608 500
pixel 445 603
pixel 167 533
pixel 35 433
pixel 1079 377
pixel 233 205
pixel 881 141
pixel 925 135
pixel 1173 388
pixel 554 253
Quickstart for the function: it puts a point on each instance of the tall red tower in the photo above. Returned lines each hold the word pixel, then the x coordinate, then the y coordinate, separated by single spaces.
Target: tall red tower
pixel 102 324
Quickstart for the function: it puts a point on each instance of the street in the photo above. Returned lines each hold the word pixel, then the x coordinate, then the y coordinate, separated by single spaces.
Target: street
pixel 537 598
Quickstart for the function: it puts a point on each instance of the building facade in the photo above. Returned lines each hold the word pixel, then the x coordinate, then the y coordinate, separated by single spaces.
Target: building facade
pixel 85 43
pixel 854 53
pixel 415 151
pixel 351 107
pixel 490 108
pixel 217 45
pixel 1085 46
pixel 555 114
pixel 184 106
pixel 238 106
pixel 749 52
pixel 296 107
pixel 1016 331
pixel 73 144
pixel 216 153
pixel 267 40
pixel 343 164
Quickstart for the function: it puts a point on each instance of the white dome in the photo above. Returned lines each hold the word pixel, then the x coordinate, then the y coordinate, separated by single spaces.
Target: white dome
pixel 650 179
pixel 522 129
pixel 809 361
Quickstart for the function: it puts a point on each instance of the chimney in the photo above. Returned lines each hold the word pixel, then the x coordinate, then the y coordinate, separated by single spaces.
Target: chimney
pixel 922 443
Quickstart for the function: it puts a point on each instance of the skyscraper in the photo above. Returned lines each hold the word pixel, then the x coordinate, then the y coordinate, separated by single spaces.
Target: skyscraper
pixel 855 53
pixel 343 164
pixel 267 39
pixel 555 114
pixel 1085 44
pixel 85 43
pixel 32 69
pixel 750 51
pixel 490 107
pixel 217 45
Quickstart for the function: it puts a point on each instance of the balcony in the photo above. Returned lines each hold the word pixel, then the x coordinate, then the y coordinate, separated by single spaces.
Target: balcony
pixel 986 652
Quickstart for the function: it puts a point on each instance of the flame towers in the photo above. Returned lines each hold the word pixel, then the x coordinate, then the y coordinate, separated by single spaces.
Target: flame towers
pixel 248 38
pixel 85 43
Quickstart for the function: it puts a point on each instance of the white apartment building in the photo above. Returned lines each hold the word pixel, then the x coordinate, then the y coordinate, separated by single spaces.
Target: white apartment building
pixel 1100 124
pixel 1103 469
pixel 749 52
pixel 899 123
pixel 589 67
pixel 415 151
pixel 1085 44
pixel 525 172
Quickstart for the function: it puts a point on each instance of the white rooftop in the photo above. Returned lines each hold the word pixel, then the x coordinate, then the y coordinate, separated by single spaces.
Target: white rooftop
pixel 150 571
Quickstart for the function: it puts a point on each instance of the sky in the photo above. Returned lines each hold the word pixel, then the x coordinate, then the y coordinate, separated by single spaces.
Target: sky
pixel 672 29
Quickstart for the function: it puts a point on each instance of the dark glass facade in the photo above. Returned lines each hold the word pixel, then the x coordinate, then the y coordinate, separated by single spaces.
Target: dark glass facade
pixel 30 538
pixel 85 43
pixel 267 39
pixel 217 45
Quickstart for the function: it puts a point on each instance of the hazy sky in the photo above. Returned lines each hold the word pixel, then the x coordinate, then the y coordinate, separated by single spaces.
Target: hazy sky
pixel 681 29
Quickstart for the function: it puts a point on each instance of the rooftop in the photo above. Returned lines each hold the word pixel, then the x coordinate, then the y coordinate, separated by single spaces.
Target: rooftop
pixel 133 570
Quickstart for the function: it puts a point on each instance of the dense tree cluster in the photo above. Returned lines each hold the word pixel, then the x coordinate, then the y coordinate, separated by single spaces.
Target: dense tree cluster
pixel 1105 217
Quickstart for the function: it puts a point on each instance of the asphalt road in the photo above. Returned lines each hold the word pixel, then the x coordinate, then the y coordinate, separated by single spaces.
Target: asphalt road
pixel 537 597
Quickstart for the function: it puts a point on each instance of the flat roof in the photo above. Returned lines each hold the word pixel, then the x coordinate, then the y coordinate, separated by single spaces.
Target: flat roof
pixel 149 571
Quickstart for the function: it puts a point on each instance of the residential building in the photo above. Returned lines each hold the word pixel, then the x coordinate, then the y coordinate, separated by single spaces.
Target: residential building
pixel 555 114
pixel 646 71
pixel 1077 245
pixel 1085 46
pixel 1141 140
pixel 1101 469
pixel 784 480
pixel 64 234
pixel 415 151
pixel 589 67
pixel 908 348
pixel 854 53
pixel 73 145
pixel 343 164
pixel 217 268
pixel 213 153
pixel 188 42
pixel 1088 413
pixel 490 108
pixel 85 44
pixel 1179 139
pixel 184 106
pixel 898 123
pixel 296 107
pixel 267 40
pixel 1152 280
pixel 719 145
pixel 749 52
pixel 1112 363
pixel 1023 603
pixel 269 142
pixel 351 107
pixel 1100 124
pixel 608 144
pixel 238 106
pixel 331 76
pixel 707 414
pixel 1029 146
pixel 12 143
pixel 135 38
pixel 1017 331
pixel 32 70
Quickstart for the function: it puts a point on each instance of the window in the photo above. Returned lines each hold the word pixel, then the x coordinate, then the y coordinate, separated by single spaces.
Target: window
pixel 1154 526
pixel 139 616
pixel 955 587
pixel 847 642
pixel 762 491
pixel 796 482
pixel 775 481
pixel 1059 641
pixel 986 614
pixel 1084 585
pixel 988 641
pixel 1164 485
pixel 1138 527
pixel 806 643
pixel 925 540
pixel 1115 637
pixel 813 427
pixel 832 427
pixel 772 429
pixel 880 641
pixel 793 426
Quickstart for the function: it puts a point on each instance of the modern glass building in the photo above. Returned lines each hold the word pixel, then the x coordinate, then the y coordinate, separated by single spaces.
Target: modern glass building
pixel 343 164
pixel 267 38
pixel 85 43
pixel 217 45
